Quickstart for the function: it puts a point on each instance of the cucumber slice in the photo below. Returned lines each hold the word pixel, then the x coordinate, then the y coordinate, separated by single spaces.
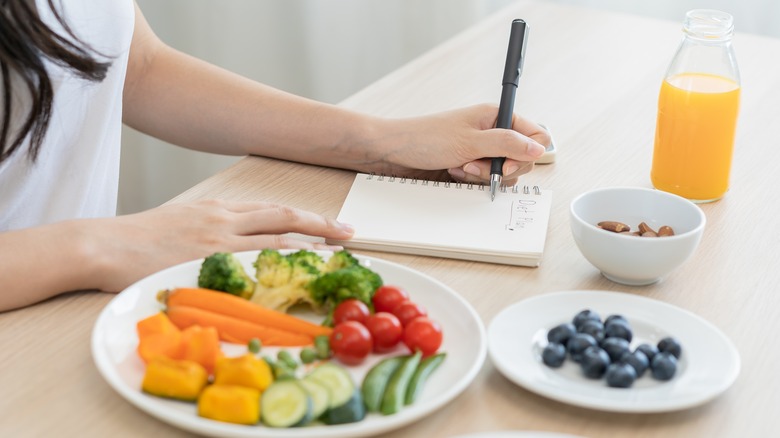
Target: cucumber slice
pixel 350 412
pixel 376 380
pixel 285 403
pixel 337 380
pixel 320 396
pixel 346 401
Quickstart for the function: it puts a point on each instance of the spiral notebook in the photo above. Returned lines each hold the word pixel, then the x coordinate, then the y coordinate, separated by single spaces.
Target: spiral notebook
pixel 450 220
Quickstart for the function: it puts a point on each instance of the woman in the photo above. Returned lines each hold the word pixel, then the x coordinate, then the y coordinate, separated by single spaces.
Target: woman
pixel 74 71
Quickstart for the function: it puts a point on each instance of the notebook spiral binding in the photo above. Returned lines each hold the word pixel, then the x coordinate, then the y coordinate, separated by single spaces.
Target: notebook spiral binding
pixel 457 184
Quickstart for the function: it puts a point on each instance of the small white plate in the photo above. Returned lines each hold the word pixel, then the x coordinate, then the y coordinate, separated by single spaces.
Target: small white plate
pixel 708 366
pixel 114 342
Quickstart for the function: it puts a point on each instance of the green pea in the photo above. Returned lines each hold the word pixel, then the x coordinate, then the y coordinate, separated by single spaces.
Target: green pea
pixel 308 355
pixel 286 358
pixel 254 345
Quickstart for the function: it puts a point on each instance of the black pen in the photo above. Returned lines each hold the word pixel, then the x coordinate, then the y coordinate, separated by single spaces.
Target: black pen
pixel 514 66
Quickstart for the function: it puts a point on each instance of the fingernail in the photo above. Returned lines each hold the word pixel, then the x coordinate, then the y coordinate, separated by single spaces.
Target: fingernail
pixel 471 169
pixel 535 149
pixel 325 246
pixel 456 173
pixel 347 227
pixel 512 168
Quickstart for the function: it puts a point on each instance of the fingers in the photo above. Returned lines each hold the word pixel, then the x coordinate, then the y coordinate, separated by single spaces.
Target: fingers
pixel 478 171
pixel 531 130
pixel 515 145
pixel 513 169
pixel 219 225
pixel 521 145
pixel 284 241
pixel 274 219
pixel 526 141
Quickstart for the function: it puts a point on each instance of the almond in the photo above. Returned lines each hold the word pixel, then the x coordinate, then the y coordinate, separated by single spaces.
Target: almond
pixel 615 227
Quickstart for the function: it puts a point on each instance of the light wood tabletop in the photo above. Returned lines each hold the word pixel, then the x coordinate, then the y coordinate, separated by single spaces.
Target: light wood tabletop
pixel 593 78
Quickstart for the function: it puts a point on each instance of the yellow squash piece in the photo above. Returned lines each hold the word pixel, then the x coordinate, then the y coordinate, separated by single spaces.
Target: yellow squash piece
pixel 171 378
pixel 230 403
pixel 246 370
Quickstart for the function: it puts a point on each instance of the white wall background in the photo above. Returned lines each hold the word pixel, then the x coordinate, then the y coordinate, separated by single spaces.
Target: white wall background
pixel 327 50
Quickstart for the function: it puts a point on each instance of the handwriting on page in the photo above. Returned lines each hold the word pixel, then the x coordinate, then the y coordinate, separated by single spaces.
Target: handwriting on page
pixel 521 214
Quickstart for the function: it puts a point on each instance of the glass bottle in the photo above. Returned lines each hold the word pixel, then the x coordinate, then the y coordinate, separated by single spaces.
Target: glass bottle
pixel 697 111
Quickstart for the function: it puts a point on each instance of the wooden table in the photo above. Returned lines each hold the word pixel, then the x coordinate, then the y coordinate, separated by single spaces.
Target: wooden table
pixel 593 78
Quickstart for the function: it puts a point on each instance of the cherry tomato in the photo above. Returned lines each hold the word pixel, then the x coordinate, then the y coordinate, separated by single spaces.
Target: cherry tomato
pixel 386 331
pixel 424 334
pixel 350 342
pixel 350 310
pixel 386 298
pixel 407 311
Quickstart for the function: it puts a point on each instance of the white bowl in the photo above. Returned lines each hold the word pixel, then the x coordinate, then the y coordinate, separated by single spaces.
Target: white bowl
pixel 634 260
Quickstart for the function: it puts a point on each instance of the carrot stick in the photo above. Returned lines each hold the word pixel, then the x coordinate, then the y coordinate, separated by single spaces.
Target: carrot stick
pixel 237 307
pixel 235 330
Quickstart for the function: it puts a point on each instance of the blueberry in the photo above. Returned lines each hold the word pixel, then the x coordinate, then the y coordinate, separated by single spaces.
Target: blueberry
pixel 561 333
pixel 553 355
pixel 670 345
pixel 620 375
pixel 637 360
pixel 615 318
pixel 578 344
pixel 663 366
pixel 615 347
pixel 649 350
pixel 594 328
pixel 585 315
pixel 618 329
pixel 594 362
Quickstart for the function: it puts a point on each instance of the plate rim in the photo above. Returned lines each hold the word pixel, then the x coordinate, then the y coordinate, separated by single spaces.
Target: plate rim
pixel 135 397
pixel 610 405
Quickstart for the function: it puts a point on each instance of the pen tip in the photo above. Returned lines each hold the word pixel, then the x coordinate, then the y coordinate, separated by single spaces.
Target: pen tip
pixel 494 180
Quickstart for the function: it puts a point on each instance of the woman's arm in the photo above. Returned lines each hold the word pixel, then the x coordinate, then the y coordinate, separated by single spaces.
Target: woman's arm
pixel 191 103
pixel 110 254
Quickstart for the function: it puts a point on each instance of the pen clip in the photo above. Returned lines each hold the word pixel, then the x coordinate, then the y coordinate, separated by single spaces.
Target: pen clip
pixel 515 52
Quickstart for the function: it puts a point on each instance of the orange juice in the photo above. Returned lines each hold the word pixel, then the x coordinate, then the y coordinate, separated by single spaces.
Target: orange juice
pixel 694 138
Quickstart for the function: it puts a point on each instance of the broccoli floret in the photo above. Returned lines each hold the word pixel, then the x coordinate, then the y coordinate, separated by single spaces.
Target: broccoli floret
pixel 340 259
pixel 222 271
pixel 305 257
pixel 354 281
pixel 303 277
pixel 282 280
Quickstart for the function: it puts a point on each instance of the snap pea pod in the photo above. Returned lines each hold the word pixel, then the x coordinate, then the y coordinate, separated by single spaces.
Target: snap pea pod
pixel 377 379
pixel 395 393
pixel 424 370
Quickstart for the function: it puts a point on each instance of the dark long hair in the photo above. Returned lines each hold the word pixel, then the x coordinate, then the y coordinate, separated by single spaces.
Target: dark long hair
pixel 25 42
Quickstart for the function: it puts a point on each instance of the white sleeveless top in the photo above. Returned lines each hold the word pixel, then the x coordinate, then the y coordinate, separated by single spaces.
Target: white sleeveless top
pixel 76 174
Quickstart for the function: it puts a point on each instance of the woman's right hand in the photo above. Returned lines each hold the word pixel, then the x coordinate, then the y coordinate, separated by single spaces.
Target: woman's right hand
pixel 110 254
pixel 140 244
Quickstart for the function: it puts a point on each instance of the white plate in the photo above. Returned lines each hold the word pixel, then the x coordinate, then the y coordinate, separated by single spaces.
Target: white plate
pixel 708 366
pixel 114 341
